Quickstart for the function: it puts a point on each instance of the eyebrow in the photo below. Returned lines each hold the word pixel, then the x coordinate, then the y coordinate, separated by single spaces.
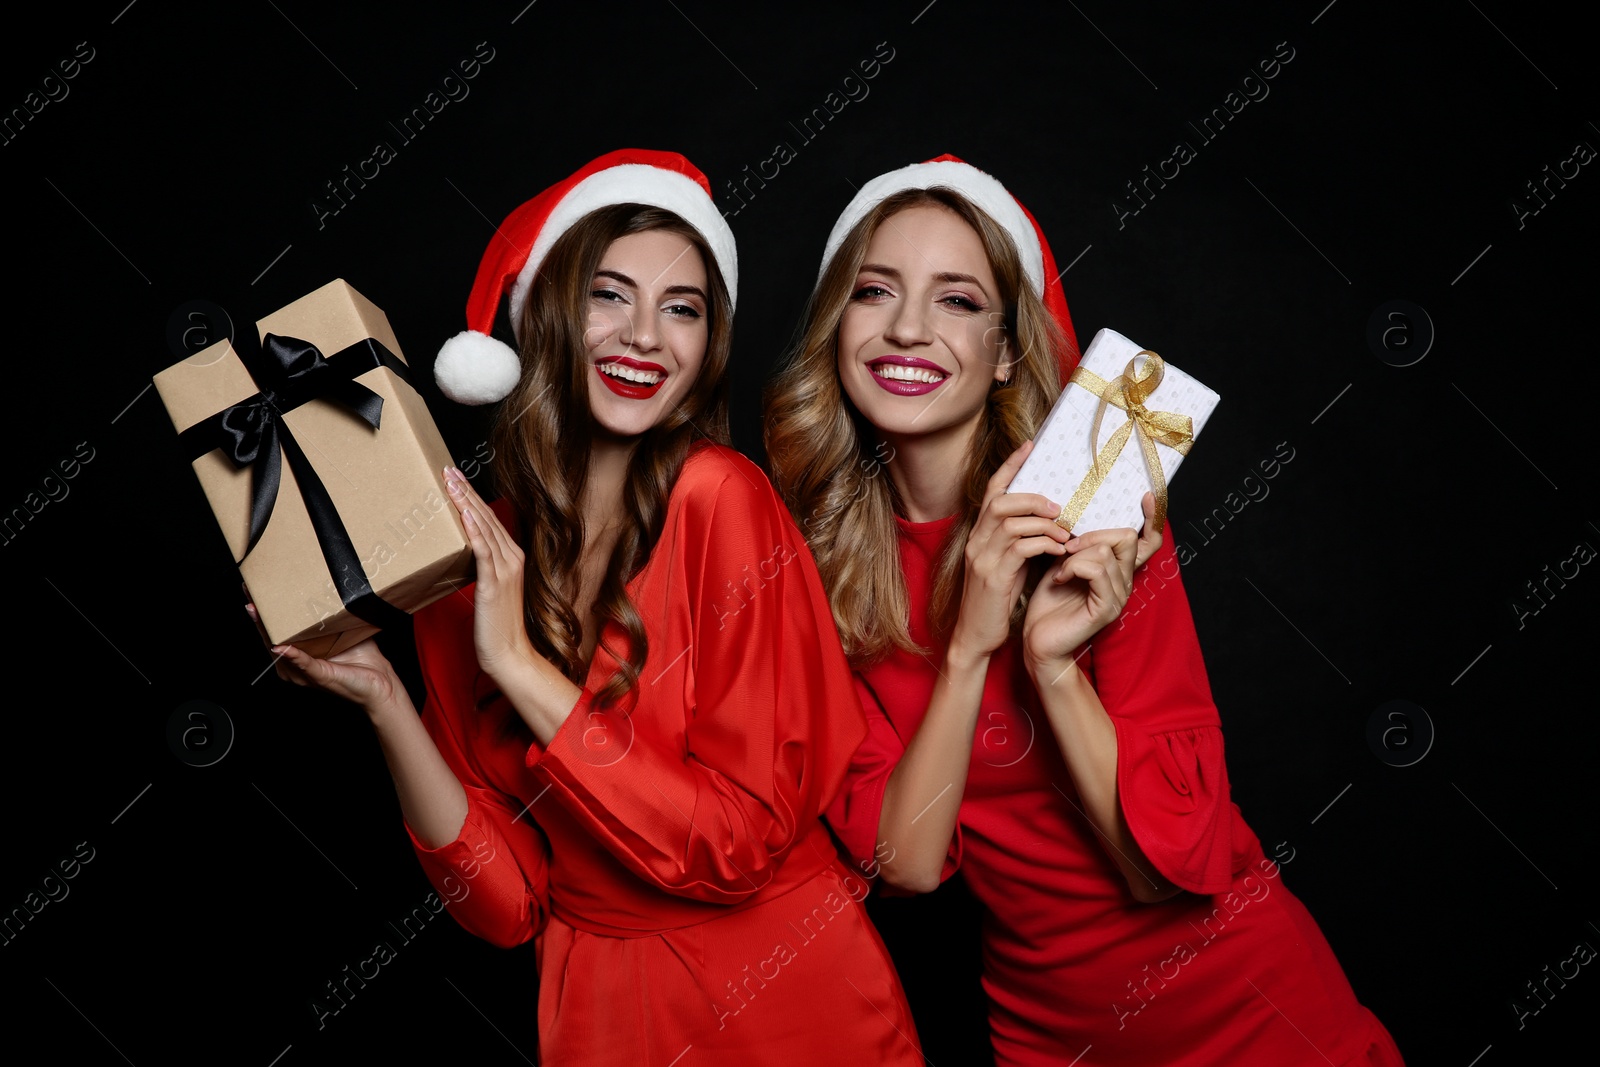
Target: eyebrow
pixel 672 290
pixel 943 276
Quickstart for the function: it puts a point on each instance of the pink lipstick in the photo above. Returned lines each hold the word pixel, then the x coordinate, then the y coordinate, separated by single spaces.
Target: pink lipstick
pixel 907 375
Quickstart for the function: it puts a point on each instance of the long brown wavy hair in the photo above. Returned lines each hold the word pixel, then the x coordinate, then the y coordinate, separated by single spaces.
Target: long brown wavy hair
pixel 824 454
pixel 545 431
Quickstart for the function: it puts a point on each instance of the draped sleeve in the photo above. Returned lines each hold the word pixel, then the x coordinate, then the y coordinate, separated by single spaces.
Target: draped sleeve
pixel 855 814
pixel 701 788
pixel 1172 780
pixel 494 877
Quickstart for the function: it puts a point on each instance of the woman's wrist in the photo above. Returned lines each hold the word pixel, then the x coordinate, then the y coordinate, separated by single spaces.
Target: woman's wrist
pixel 389 704
pixel 541 695
pixel 961 657
pixel 520 670
pixel 1051 670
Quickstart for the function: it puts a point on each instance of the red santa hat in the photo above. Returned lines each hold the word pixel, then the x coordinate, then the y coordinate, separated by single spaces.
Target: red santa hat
pixel 473 367
pixel 988 194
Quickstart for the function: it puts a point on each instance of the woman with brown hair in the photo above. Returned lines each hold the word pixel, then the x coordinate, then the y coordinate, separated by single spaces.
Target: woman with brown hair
pixel 1067 760
pixel 636 715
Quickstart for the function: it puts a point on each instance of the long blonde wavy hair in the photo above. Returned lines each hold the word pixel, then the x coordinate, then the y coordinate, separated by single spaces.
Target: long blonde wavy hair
pixel 824 454
pixel 545 430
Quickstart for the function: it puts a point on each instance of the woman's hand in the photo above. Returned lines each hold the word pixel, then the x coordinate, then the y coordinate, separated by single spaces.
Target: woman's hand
pixel 499 626
pixel 1012 528
pixel 360 673
pixel 1088 590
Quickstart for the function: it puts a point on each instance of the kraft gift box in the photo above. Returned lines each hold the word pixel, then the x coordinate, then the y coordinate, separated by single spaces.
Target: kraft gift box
pixel 323 468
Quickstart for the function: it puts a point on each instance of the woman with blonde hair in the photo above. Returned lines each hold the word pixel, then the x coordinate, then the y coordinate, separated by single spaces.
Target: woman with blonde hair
pixel 636 715
pixel 1065 758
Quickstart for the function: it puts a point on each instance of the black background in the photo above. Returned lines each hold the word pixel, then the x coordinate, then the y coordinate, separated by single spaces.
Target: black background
pixel 1384 565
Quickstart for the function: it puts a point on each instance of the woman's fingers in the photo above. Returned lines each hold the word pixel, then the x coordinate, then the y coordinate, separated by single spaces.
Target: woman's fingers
pixel 1108 578
pixel 497 542
pixel 1135 548
pixel 353 682
pixel 1033 525
pixel 995 520
pixel 318 670
pixel 295 666
pixel 479 536
pixel 499 537
pixel 1123 543
pixel 1082 594
pixel 499 629
pixel 457 482
pixel 482 554
pixel 999 506
pixel 1006 534
pixel 1012 504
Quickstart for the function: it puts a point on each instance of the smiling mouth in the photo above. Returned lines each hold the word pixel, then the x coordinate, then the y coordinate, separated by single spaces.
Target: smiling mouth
pixel 636 375
pixel 906 375
pixel 896 373
pixel 631 378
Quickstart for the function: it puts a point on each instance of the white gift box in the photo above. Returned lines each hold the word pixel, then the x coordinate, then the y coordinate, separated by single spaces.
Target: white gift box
pixel 1063 454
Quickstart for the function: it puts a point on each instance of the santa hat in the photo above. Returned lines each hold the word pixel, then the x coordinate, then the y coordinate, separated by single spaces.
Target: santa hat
pixel 474 368
pixel 989 195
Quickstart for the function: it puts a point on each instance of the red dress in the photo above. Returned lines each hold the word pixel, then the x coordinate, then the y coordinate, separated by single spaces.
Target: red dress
pixel 1233 972
pixel 669 856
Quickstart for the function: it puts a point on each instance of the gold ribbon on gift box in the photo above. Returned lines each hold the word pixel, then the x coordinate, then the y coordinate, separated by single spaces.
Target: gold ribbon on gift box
pixel 1128 391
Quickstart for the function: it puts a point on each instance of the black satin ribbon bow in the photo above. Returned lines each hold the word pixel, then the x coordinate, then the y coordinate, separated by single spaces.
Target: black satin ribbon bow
pixel 290 372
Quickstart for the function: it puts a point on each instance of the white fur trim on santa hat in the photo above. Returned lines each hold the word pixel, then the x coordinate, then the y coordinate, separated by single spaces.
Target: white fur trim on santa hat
pixel 474 368
pixel 964 178
pixel 634 183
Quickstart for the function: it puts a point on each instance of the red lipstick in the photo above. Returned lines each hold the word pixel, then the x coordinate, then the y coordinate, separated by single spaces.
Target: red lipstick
pixel 630 389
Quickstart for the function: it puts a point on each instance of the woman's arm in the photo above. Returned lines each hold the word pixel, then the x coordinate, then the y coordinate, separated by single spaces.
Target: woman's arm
pixel 923 795
pixel 1071 604
pixel 542 696
pixel 488 865
pixel 740 728
pixel 924 791
pixel 431 798
pixel 1088 743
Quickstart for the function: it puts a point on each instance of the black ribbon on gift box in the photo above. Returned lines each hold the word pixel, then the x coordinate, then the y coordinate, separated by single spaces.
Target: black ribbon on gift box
pixel 290 372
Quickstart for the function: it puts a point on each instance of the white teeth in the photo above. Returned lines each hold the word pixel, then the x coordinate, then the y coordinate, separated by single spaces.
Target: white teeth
pixel 630 374
pixel 901 373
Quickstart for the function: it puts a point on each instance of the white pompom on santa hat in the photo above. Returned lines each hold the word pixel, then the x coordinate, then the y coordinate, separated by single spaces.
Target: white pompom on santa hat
pixel 473 367
pixel 986 192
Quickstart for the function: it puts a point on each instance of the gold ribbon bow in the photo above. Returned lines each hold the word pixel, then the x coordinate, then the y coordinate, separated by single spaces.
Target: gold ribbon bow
pixel 1128 391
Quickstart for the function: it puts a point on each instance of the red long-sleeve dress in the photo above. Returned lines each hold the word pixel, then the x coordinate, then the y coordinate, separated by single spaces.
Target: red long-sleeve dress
pixel 1233 972
pixel 689 905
